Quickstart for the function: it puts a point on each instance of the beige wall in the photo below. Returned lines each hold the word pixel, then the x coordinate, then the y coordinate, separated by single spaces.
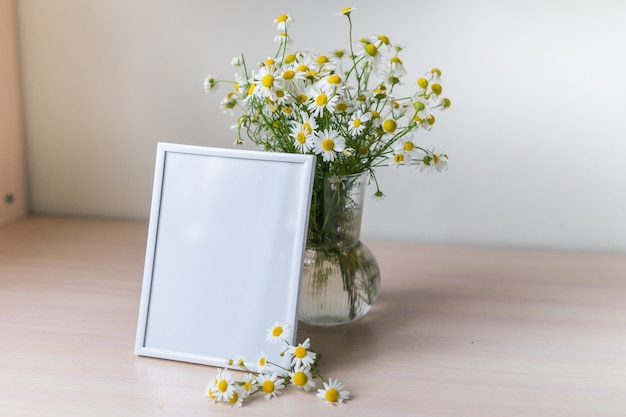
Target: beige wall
pixel 535 134
pixel 12 184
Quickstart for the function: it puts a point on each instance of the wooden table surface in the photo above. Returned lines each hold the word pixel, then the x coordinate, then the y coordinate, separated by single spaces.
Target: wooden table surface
pixel 455 332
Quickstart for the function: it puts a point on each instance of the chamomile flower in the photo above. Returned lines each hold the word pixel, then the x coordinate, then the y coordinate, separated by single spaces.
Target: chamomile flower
pixel 301 377
pixel 357 123
pixel 249 385
pixel 270 385
pixel 239 362
pixel 378 195
pixel 375 117
pixel 329 84
pixel 224 384
pixel 301 355
pixel 211 391
pixel 328 143
pixel 383 42
pixel 422 110
pixel 262 363
pixel 396 66
pixel 434 162
pixel 321 102
pixel 266 81
pixel 210 84
pixel 398 158
pixel 346 11
pixel 309 124
pixel 229 103
pixel 435 73
pixel 282 38
pixel 333 392
pixel 370 52
pixel 444 103
pixel 279 332
pixel 301 140
pixel 237 61
pixel 236 397
pixel 283 21
pixel 407 145
pixel 390 125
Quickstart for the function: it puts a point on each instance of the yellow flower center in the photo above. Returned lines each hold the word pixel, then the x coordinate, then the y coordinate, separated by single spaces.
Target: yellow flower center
pixel 234 398
pixel 301 137
pixel 334 79
pixel 390 125
pixel 282 18
pixel 356 123
pixel 408 146
pixel 396 60
pixel 289 74
pixel 268 386
pixel 384 39
pixel 262 361
pixel 436 158
pixel 327 145
pixel 332 395
pixel 371 49
pixel 277 331
pixel 431 119
pixel 251 89
pixel 375 114
pixel 247 385
pixel 436 71
pixel 321 99
pixel 446 103
pixel 269 61
pixel 422 82
pixel 302 68
pixel 307 128
pixel 300 379
pixel 287 110
pixel 302 98
pixel 222 385
pixel 398 158
pixel 346 10
pixel 341 107
pixel 322 59
pixel 290 58
pixel 436 88
pixel 267 81
pixel 211 395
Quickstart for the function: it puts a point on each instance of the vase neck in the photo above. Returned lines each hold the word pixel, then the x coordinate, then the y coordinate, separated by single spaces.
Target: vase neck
pixel 336 211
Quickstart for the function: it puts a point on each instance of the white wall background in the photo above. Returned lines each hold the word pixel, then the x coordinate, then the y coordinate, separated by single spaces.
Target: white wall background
pixel 536 135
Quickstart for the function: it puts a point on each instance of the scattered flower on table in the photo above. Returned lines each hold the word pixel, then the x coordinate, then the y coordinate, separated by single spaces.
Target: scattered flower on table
pixel 270 380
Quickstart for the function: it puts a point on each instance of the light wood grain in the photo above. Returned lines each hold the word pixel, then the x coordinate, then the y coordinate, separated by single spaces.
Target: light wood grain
pixel 456 332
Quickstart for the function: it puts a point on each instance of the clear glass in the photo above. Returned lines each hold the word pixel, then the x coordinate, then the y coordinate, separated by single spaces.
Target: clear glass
pixel 341 277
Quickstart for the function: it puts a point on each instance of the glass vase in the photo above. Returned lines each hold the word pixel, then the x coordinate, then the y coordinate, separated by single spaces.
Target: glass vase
pixel 341 276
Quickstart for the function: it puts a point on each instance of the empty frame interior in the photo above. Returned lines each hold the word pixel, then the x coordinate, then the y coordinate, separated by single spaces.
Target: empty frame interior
pixel 224 254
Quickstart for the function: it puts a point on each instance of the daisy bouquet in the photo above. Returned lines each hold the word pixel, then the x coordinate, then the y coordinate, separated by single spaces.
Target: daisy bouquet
pixel 349 108
pixel 341 106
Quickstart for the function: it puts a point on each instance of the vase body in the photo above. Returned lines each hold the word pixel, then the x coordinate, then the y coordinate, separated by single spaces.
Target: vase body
pixel 341 277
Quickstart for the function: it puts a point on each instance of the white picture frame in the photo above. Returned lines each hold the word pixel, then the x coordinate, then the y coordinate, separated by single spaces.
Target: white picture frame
pixel 225 248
